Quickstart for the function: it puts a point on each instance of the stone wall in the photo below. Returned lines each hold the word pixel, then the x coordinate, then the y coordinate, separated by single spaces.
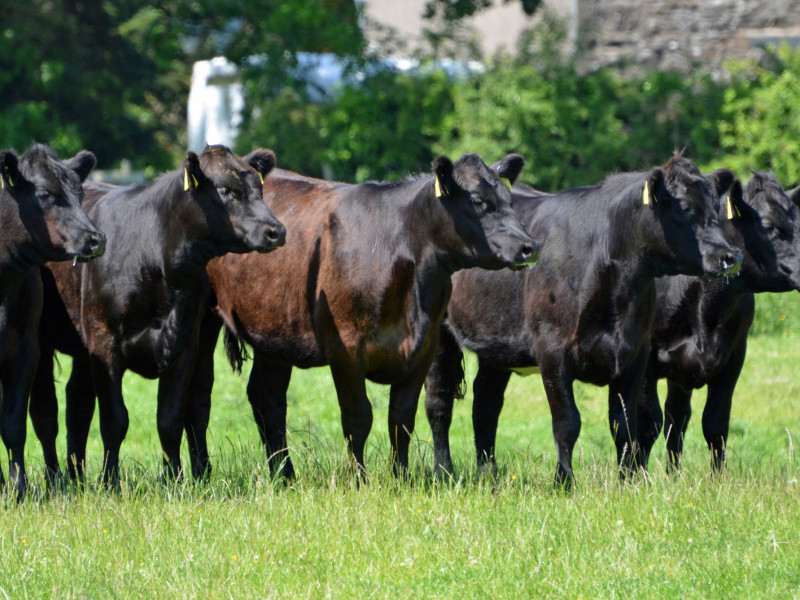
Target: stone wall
pixel 677 34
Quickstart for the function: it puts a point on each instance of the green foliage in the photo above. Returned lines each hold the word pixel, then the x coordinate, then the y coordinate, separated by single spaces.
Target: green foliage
pixel 760 118
pixel 573 127
pixel 381 128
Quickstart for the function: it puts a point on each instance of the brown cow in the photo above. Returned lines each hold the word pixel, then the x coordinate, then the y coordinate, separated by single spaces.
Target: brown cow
pixel 362 286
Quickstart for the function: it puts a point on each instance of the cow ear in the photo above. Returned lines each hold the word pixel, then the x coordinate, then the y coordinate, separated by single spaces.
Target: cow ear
pixel 82 163
pixel 721 180
pixel 735 205
pixel 444 183
pixel 9 168
pixel 655 187
pixel 192 173
pixel 263 161
pixel 794 196
pixel 509 167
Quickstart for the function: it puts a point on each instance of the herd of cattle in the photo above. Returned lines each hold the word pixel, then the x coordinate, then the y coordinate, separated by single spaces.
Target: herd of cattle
pixel 643 276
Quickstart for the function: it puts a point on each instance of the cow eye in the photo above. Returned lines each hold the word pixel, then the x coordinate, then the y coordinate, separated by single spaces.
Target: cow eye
pixel 477 201
pixel 225 191
pixel 683 207
pixel 769 228
pixel 45 199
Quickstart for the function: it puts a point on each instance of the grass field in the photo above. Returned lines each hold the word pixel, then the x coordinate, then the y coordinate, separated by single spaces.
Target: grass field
pixel 243 535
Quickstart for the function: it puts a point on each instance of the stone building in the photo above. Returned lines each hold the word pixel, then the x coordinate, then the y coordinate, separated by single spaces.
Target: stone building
pixel 665 34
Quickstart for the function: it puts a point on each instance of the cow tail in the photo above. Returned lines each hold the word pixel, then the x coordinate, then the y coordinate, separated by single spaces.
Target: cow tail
pixel 235 350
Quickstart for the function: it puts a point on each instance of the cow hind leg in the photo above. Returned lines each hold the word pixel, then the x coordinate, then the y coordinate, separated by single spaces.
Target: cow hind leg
pixel 489 390
pixel 266 391
pixel 442 384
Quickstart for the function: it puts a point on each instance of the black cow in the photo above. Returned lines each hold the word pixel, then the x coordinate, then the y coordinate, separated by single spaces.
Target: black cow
pixel 140 307
pixel 41 220
pixel 585 311
pixel 362 286
pixel 701 324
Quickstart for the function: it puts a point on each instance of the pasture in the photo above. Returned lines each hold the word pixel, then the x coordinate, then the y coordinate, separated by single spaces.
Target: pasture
pixel 243 535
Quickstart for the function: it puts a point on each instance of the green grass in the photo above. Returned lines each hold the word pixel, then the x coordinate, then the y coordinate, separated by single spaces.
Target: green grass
pixel 243 535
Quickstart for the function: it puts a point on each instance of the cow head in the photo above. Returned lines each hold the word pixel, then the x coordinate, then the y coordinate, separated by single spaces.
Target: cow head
pixel 688 233
pixel 229 191
pixel 46 221
pixel 481 229
pixel 768 221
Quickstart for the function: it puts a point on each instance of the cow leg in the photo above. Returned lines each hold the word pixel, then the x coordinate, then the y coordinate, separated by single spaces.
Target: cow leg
pixel 80 406
pixel 266 391
pixel 355 407
pixel 566 418
pixel 43 410
pixel 624 397
pixel 171 411
pixel 441 387
pixel 107 380
pixel 717 412
pixel 198 402
pixel 17 382
pixel 403 402
pixel 651 419
pixel 677 412
pixel 489 390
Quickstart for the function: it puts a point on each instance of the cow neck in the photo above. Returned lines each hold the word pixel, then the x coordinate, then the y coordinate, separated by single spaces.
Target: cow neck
pixel 187 243
pixel 754 276
pixel 621 239
pixel 429 289
pixel 17 253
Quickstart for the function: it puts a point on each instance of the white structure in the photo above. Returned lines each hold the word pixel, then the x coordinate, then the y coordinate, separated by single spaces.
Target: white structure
pixel 216 103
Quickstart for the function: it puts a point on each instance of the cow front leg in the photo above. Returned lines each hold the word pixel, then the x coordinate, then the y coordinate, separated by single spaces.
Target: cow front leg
pixel 717 412
pixel 489 390
pixel 355 408
pixel 624 397
pixel 198 400
pixel 43 410
pixel 107 378
pixel 442 384
pixel 17 382
pixel 566 418
pixel 173 386
pixel 80 407
pixel 677 412
pixel 651 419
pixel 266 391
pixel 403 402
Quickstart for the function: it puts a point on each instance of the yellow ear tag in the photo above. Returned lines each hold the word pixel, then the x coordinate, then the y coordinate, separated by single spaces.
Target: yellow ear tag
pixel 261 177
pixel 2 182
pixel 10 181
pixel 730 207
pixel 437 187
pixel 646 194
pixel 506 181
pixel 186 180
